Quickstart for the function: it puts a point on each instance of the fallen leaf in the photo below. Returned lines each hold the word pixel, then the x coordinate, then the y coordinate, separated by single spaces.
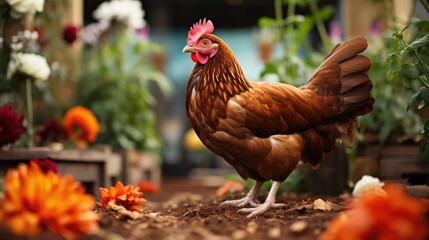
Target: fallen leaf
pixel 124 213
pixel 320 204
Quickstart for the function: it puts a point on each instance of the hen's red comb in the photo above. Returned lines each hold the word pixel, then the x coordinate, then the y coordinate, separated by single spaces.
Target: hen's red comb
pixel 198 29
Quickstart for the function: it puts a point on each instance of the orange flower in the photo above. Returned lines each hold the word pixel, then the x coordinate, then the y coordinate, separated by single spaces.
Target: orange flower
pixel 230 186
pixel 81 124
pixel 373 216
pixel 127 196
pixel 35 201
pixel 147 186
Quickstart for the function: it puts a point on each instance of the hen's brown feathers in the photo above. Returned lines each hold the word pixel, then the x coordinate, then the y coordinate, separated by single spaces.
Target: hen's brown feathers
pixel 265 129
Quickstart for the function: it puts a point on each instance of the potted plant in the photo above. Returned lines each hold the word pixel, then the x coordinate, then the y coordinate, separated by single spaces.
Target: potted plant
pixel 392 133
pixel 119 78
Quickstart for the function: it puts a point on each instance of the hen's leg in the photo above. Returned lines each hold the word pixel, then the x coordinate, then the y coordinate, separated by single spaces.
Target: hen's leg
pixel 269 202
pixel 250 198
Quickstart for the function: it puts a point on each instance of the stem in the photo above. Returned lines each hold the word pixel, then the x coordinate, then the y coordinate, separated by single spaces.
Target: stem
pixel 425 4
pixel 321 27
pixel 29 97
pixel 420 62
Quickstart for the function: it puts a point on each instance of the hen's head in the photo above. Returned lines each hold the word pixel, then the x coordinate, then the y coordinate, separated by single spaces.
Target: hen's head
pixel 201 43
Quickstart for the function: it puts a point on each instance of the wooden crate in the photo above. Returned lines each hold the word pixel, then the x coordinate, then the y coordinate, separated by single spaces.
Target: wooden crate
pixel 399 162
pixel 86 166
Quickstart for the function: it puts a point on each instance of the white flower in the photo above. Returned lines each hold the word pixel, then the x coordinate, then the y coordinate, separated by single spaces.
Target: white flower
pixel 24 7
pixel 368 184
pixel 128 12
pixel 32 65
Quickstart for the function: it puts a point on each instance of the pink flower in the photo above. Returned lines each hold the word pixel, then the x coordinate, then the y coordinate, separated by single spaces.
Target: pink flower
pixel 335 31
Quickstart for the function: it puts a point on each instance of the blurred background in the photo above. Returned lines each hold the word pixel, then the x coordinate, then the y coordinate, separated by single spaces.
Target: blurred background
pixel 132 75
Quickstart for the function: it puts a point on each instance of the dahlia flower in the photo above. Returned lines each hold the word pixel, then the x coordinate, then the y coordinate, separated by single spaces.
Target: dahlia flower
pixel 373 216
pixel 11 127
pixel 70 33
pixel 20 8
pixel 46 165
pixel 35 201
pixel 127 196
pixel 51 130
pixel 81 124
pixel 128 12
pixel 30 64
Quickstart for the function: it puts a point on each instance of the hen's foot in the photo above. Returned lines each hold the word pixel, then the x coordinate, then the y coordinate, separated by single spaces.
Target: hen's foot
pixel 242 202
pixel 250 198
pixel 260 209
pixel 269 202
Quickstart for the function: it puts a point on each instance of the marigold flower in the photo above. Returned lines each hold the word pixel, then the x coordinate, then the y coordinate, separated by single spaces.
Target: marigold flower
pixel 127 196
pixel 373 216
pixel 11 127
pixel 81 124
pixel 35 201
pixel 146 186
pixel 230 186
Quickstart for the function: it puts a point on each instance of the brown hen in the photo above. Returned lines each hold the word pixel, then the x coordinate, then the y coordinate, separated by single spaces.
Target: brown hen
pixel 265 129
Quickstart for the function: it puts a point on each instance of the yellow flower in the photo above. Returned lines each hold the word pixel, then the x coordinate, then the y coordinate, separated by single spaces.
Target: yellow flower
pixel 81 124
pixel 35 201
pixel 127 196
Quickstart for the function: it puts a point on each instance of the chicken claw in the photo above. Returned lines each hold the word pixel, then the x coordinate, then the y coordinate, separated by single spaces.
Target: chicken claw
pixel 269 203
pixel 250 198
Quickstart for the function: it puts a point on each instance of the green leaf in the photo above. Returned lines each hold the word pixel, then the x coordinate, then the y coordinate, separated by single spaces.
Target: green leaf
pixel 266 22
pixel 385 131
pixel 420 42
pixel 415 99
pixel 410 71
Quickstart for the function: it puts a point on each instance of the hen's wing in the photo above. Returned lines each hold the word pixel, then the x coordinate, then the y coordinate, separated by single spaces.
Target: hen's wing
pixel 339 89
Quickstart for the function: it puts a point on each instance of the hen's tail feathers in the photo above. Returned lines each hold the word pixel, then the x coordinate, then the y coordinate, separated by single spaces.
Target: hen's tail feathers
pixel 341 81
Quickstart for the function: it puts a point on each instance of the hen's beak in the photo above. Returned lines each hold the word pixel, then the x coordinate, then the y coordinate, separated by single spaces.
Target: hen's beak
pixel 188 48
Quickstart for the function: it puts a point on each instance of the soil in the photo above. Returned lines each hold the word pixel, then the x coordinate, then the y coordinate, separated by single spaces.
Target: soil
pixel 190 210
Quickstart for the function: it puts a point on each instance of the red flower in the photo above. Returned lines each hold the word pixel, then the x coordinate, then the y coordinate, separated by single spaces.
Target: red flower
pixel 70 33
pixel 52 131
pixel 373 216
pixel 46 165
pixel 11 127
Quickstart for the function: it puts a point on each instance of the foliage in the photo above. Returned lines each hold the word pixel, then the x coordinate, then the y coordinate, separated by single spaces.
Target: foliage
pixel 116 83
pixel 299 59
pixel 409 62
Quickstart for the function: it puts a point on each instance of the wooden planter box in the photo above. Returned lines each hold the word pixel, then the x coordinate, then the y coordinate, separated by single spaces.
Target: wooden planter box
pixel 399 163
pixel 87 166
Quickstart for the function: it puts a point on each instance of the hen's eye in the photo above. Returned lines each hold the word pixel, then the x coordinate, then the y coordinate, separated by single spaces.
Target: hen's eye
pixel 205 43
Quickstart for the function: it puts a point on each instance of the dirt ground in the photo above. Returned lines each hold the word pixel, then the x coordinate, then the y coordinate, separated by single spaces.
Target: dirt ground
pixel 190 210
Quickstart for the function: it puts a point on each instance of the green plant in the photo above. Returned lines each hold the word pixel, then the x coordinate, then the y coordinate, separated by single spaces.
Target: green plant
pixel 298 59
pixel 116 84
pixel 408 59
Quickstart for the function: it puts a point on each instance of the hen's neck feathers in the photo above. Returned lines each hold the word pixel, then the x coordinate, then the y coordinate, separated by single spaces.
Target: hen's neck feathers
pixel 221 75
